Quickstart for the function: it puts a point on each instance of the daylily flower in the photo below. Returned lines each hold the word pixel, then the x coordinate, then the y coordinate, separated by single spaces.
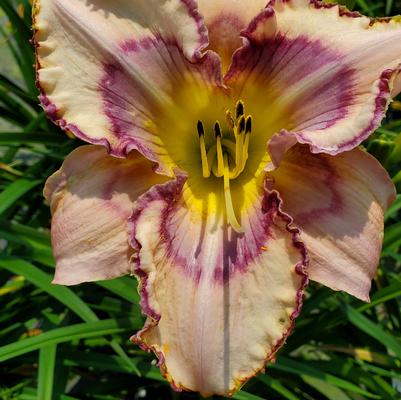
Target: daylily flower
pixel 223 155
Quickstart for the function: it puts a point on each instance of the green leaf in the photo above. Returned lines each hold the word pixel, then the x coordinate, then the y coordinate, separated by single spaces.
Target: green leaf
pixel 392 236
pixel 275 385
pixel 32 394
pixel 328 391
pixel 22 35
pixel 372 329
pixel 246 396
pixel 366 9
pixel 387 293
pixel 42 280
pixel 393 209
pixel 63 294
pixel 111 363
pixel 124 287
pixel 33 236
pixel 389 6
pixel 21 138
pixel 303 369
pixel 66 334
pixel 47 362
pixel 15 191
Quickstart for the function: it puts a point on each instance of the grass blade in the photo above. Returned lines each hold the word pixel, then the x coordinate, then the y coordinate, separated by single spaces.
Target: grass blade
pixel 21 138
pixel 15 191
pixel 372 329
pixel 66 334
pixel 392 236
pixel 277 387
pixel 63 294
pixel 124 287
pixel 22 36
pixel 42 280
pixel 303 369
pixel 394 208
pixel 47 363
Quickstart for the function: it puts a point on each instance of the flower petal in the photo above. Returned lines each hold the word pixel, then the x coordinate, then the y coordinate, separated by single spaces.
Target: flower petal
pixel 396 86
pixel 107 69
pixel 225 19
pixel 329 80
pixel 219 304
pixel 338 203
pixel 91 199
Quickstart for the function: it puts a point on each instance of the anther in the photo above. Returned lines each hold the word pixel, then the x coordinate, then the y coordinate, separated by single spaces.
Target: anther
pixel 239 109
pixel 217 129
pixel 201 131
pixel 248 124
pixel 241 124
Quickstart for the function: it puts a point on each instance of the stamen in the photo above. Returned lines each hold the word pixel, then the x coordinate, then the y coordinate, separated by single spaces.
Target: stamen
pixel 211 156
pixel 239 144
pixel 231 218
pixel 239 109
pixel 205 163
pixel 220 161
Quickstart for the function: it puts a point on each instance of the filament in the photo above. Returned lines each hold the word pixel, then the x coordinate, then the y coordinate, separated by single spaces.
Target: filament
pixel 231 218
pixel 220 161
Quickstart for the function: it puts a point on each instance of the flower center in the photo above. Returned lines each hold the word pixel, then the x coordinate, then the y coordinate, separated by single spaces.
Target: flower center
pixel 226 157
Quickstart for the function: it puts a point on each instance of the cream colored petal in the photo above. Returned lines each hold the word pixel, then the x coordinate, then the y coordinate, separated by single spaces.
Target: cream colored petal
pixel 219 304
pixel 328 81
pixel 91 199
pixel 338 203
pixel 225 19
pixel 108 69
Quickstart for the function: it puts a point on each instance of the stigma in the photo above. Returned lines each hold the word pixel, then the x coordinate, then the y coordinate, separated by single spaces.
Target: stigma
pixel 226 157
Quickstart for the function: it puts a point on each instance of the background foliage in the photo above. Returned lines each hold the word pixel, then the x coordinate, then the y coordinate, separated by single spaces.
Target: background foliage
pixel 72 343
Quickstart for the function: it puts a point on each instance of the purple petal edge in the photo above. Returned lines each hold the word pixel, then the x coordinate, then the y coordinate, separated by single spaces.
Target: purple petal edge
pixel 343 11
pixel 382 99
pixel 382 102
pixel 52 111
pixel 271 201
pixel 192 7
